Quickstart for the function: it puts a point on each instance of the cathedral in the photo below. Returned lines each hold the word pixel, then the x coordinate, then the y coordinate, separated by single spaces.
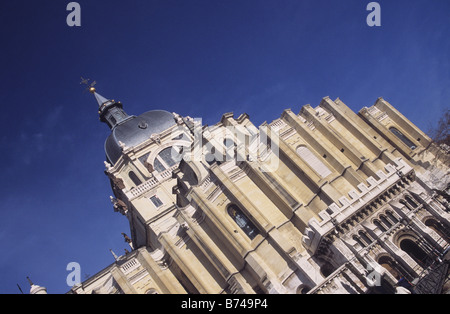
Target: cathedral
pixel 321 201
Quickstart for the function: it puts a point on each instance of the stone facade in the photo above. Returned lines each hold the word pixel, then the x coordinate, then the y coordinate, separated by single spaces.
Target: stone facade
pixel 324 201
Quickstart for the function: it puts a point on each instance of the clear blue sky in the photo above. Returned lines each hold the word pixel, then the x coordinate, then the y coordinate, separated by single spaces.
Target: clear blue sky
pixel 197 58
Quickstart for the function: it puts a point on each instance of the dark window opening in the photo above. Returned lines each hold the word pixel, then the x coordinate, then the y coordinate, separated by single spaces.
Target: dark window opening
pixel 134 178
pixel 243 222
pixel 403 138
pixel 156 201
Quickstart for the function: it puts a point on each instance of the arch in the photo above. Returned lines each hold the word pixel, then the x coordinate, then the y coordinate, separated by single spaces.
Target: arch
pixel 358 240
pixel 365 238
pixel 191 172
pixel 391 216
pixel 315 163
pixel 403 138
pixel 169 156
pixel 327 269
pixel 134 178
pixel 385 221
pixel 242 221
pixel 303 289
pixel 415 251
pixel 389 264
pixel 411 201
pixel 377 223
pixel 439 228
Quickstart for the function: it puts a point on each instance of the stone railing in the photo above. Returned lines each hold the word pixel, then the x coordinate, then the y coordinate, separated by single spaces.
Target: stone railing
pixel 150 183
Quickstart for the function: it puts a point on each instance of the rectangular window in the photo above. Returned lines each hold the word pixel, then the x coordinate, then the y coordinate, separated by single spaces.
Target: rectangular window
pixel 156 201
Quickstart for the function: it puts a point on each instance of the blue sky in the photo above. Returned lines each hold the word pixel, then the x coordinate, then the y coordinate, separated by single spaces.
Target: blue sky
pixel 196 58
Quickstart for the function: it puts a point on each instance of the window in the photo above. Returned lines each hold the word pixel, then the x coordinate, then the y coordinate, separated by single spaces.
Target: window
pixel 134 178
pixel 365 238
pixel 391 217
pixel 379 225
pixel 158 166
pixel 385 221
pixel 156 201
pixel 410 201
pixel 167 158
pixel 143 158
pixel 314 162
pixel 358 240
pixel 403 138
pixel 243 222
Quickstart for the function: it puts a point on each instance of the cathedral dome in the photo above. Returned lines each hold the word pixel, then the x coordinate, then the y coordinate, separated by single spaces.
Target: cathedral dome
pixel 135 130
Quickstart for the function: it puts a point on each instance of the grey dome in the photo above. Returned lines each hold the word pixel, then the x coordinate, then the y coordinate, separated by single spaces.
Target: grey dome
pixel 135 130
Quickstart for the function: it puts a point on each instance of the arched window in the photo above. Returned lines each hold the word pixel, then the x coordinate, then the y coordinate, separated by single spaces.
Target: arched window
pixel 403 202
pixel 385 222
pixel 389 264
pixel 365 237
pixel 439 228
pixel 358 240
pixel 134 178
pixel 167 158
pixel 379 225
pixel 392 217
pixel 403 138
pixel 303 289
pixel 411 202
pixel 416 252
pixel 243 222
pixel 310 158
pixel 327 269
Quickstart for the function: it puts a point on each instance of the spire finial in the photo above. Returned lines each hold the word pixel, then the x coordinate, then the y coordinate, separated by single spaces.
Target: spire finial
pixel 90 86
pixel 29 281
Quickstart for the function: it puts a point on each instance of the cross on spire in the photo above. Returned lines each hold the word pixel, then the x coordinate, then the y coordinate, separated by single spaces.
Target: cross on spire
pixel 90 86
